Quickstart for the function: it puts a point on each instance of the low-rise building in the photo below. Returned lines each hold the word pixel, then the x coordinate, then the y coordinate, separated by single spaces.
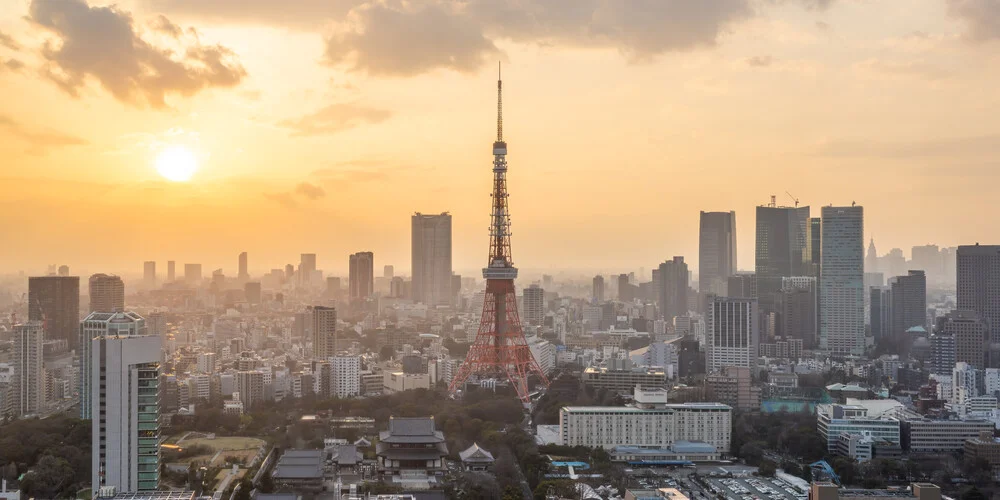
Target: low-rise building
pixel 927 435
pixel 832 420
pixel 300 470
pixel 984 447
pixel 476 459
pixel 917 491
pixel 624 380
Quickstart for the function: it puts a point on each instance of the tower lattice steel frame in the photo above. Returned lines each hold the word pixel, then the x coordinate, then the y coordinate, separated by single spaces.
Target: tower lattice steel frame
pixel 500 349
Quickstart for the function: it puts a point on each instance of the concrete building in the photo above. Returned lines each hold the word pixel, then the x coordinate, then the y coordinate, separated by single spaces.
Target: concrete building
pixel 942 353
pixel 410 446
pixel 782 249
pixel 544 353
pixel 171 271
pixel 651 423
pixel 324 332
pixel 149 274
pixel 673 289
pixel 832 420
pixel 430 254
pixel 598 289
pixel 716 252
pixel 28 384
pixel 732 333
pixel 841 296
pixel 970 337
pixel 798 308
pixel 917 491
pixel 534 305
pixel 733 386
pixel 307 268
pixel 932 436
pixel 978 284
pixel 55 301
pixel 624 379
pixel 97 325
pixel 880 312
pixel 125 393
pixel 362 275
pixel 909 302
pixel 107 293
pixel 346 371
pixel 250 385
pixel 192 274
pixel 242 275
pixel 983 447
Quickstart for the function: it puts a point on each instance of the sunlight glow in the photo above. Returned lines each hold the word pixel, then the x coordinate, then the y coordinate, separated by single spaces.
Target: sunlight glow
pixel 176 163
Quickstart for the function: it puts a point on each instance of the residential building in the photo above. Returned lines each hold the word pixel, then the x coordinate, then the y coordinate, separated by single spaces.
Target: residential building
pixel 943 353
pixel 250 385
pixel 733 386
pixel 598 289
pixel 798 308
pixel 841 296
pixel 346 375
pixel 125 394
pixel 716 252
pixel 55 301
pixel 362 275
pixel 430 253
pixel 149 274
pixel 731 333
pixel 107 293
pixel 970 334
pixel 673 288
pixel 123 324
pixel 624 379
pixel 28 385
pixel 324 332
pixel 534 305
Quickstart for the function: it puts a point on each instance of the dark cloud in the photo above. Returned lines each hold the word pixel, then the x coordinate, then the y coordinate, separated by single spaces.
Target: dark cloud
pixel 313 14
pixel 102 43
pixel 406 41
pixel 759 61
pixel 981 17
pixel 13 65
pixel 9 42
pixel 38 141
pixel 311 191
pixel 335 118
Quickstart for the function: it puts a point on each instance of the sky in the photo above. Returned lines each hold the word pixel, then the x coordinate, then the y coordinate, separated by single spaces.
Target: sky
pixel 320 126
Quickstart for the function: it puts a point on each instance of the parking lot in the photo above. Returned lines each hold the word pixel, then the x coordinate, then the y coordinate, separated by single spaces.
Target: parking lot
pixel 751 488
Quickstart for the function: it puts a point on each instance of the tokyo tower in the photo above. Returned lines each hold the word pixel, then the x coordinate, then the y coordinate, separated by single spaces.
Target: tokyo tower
pixel 500 349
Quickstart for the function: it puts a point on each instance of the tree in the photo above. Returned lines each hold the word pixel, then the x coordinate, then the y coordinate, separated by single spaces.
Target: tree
pixel 386 352
pixel 50 477
pixel 752 452
pixel 767 468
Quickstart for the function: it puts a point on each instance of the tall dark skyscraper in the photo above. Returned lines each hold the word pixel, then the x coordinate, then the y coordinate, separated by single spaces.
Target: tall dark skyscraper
pixel 909 302
pixel 324 332
pixel 430 254
pixel 782 250
pixel 362 275
pixel 978 280
pixel 243 274
pixel 673 288
pixel 716 252
pixel 55 300
pixel 171 271
pixel 598 292
pixel 107 293
pixel 815 244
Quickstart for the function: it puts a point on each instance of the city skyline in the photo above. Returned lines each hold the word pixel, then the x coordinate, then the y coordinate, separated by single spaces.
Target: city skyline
pixel 274 154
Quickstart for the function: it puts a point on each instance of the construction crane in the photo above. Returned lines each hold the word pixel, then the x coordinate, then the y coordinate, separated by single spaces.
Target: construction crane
pixel 796 200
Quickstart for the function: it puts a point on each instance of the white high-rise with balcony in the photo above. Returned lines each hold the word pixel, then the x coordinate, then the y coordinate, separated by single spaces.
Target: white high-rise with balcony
pixel 841 284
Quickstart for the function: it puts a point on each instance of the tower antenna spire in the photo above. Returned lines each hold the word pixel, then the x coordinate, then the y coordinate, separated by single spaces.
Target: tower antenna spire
pixel 499 105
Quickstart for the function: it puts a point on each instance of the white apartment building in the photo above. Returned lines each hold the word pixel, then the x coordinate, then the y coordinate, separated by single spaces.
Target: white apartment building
pixel 346 373
pixel 544 353
pixel 834 419
pixel 841 283
pixel 104 324
pixel 28 373
pixel 206 362
pixel 200 387
pixel 651 423
pixel 963 383
pixel 732 333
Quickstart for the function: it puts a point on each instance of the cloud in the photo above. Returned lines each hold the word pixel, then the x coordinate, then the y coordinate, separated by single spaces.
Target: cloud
pixel 918 69
pixel 387 41
pixel 313 14
pixel 9 42
pixel 759 61
pixel 165 26
pixel 335 118
pixel 13 65
pixel 286 200
pixel 102 43
pixel 981 17
pixel 39 141
pixel 311 191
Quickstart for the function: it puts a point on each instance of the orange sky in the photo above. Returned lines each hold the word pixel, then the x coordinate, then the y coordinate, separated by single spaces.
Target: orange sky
pixel 320 126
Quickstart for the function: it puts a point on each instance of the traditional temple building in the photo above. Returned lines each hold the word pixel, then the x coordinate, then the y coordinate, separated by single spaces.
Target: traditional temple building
pixel 411 447
pixel 476 459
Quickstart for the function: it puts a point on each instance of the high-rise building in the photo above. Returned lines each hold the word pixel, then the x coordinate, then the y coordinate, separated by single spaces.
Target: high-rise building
pixel 942 353
pixel 742 285
pixel 307 266
pixel 388 272
pixel 124 385
pixel 871 260
pixel 732 333
pixel 250 385
pixel 970 334
pixel 107 293
pixel 346 371
pixel 171 271
pixel 716 252
pixel 841 293
pixel 673 300
pixel 871 280
pixel 55 301
pixel 243 273
pixel 909 302
pixel 880 312
pixel 28 387
pixel 149 274
pixel 430 254
pixel 978 283
pixel 324 332
pixel 534 305
pixel 251 290
pixel 598 292
pixel 362 275
pixel 783 249
pixel 799 309
pixel 97 325
pixel 192 274
pixel 816 244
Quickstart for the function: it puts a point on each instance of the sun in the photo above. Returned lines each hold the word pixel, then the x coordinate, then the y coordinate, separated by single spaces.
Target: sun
pixel 176 163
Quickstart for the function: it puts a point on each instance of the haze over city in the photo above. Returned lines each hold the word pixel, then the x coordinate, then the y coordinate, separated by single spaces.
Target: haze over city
pixel 322 126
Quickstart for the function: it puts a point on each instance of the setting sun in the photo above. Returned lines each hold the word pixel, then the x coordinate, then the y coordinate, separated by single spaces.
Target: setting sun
pixel 176 163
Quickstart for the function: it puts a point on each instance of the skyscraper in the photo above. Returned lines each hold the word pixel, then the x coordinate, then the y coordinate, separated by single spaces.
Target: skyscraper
pixel 534 305
pixel 909 302
pixel 324 332
pixel 782 250
pixel 307 266
pixel 107 293
pixel 149 274
pixel 171 271
pixel 430 254
pixel 192 274
pixel 598 292
pixel 816 244
pixel 978 283
pixel 28 387
pixel 389 272
pixel 971 336
pixel 362 275
pixel 103 324
pixel 673 288
pixel 125 372
pixel 880 312
pixel 243 274
pixel 732 333
pixel 55 301
pixel 871 260
pixel 251 291
pixel 841 300
pixel 799 306
pixel 716 252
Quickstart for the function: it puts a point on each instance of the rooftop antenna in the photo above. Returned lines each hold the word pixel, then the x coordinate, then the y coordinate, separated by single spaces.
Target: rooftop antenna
pixel 499 105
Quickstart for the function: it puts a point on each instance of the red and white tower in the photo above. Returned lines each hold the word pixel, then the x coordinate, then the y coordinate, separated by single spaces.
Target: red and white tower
pixel 500 349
